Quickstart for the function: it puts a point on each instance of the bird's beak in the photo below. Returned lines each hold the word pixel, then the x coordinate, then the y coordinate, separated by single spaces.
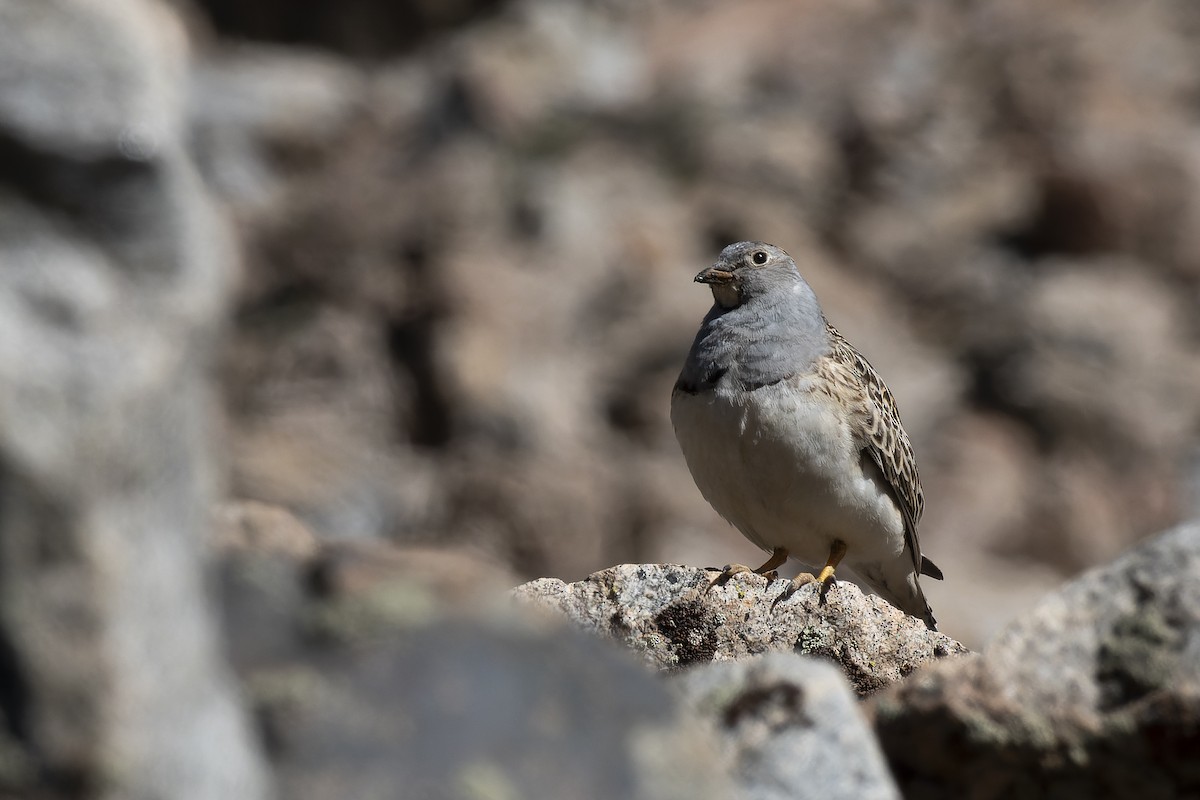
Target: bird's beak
pixel 715 276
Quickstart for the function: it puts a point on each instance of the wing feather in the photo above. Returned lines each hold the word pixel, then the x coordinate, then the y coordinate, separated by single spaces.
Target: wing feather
pixel 884 437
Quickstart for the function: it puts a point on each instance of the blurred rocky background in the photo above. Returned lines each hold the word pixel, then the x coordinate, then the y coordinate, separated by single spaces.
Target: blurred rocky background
pixel 391 296
pixel 468 232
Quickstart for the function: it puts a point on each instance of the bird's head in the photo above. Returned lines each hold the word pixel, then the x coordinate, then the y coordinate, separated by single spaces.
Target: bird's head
pixel 747 270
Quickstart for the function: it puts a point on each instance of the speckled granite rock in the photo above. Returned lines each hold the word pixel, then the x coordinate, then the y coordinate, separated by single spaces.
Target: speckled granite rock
pixel 1096 694
pixel 664 612
pixel 792 727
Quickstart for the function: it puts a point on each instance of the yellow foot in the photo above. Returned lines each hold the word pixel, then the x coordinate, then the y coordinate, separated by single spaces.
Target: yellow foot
pixel 826 580
pixel 778 556
pixel 837 551
pixel 803 579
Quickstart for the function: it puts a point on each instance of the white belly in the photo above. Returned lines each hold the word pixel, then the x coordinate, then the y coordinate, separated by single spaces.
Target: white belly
pixel 784 469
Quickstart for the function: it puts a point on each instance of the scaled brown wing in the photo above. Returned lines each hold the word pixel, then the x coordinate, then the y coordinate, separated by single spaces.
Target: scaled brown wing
pixel 886 441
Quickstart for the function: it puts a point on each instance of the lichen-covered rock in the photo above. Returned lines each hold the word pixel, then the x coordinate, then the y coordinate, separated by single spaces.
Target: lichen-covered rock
pixel 667 613
pixel 793 728
pixel 1095 694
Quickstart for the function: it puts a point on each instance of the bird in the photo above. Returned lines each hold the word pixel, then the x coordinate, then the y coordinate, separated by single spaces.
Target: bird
pixel 792 436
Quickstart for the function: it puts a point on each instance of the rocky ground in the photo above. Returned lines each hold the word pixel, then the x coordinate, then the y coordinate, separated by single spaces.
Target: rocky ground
pixel 323 326
pixel 368 668
pixel 1096 693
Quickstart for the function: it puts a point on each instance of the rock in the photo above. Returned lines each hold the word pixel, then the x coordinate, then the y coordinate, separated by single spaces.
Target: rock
pixel 249 526
pixel 362 28
pixel 383 671
pixel 664 612
pixel 793 727
pixel 472 710
pixel 261 116
pixel 1095 694
pixel 115 273
pixel 282 585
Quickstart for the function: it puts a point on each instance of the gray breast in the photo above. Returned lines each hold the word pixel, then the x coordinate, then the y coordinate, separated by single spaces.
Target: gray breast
pixel 753 345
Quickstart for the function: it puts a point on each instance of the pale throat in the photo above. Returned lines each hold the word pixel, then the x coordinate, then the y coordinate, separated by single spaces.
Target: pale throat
pixel 726 295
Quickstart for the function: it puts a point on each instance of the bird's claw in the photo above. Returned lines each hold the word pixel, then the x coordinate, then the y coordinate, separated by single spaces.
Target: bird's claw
pixel 803 579
pixel 727 572
pixel 825 581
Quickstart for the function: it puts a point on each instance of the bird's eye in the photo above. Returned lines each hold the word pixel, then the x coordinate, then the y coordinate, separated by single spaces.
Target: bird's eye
pixel 759 257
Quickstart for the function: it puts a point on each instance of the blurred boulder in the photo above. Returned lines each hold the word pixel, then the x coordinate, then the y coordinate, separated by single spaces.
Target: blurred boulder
pixel 794 728
pixel 283 587
pixel 467 710
pixel 262 117
pixel 371 28
pixel 668 615
pixel 1095 694
pixel 381 671
pixel 115 272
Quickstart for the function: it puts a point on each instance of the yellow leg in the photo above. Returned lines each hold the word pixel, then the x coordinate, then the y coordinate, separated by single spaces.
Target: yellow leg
pixel 778 556
pixel 837 551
